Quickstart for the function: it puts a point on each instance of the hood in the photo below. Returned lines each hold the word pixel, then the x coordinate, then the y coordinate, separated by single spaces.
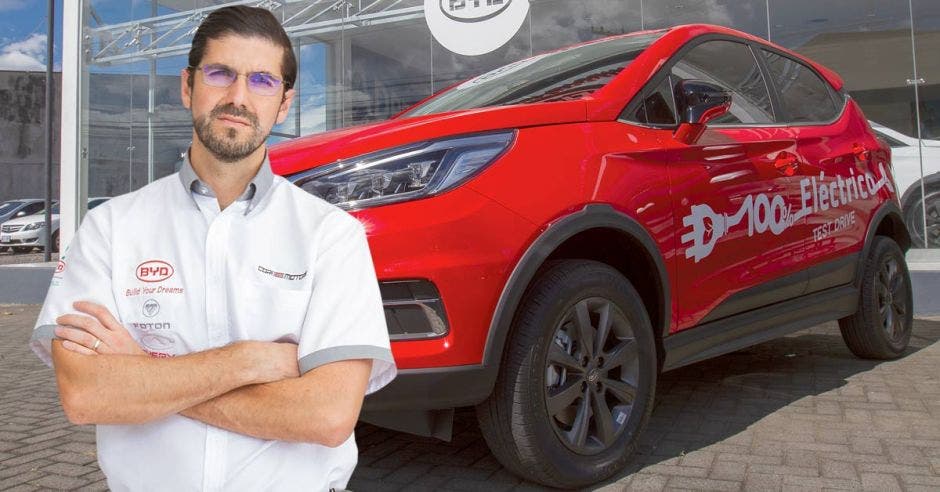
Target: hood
pixel 29 219
pixel 313 151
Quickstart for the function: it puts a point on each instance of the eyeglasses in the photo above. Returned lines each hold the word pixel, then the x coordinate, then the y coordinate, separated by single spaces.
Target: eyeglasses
pixel 260 83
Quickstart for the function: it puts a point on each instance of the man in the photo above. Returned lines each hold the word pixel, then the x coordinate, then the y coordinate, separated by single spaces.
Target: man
pixel 220 326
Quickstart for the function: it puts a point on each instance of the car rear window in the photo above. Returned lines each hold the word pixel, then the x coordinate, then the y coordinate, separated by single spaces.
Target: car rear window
pixel 558 76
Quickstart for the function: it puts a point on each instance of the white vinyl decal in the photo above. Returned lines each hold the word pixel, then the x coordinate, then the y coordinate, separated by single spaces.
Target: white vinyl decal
pixel 764 213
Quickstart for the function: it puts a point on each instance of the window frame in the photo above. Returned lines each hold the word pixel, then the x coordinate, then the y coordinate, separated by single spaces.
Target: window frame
pixel 781 117
pixel 839 98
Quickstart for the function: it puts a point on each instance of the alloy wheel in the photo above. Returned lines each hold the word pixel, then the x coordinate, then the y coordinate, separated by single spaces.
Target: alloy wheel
pixel 892 297
pixel 591 372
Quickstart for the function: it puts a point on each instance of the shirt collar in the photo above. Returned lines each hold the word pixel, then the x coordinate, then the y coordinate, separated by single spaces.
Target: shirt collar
pixel 254 192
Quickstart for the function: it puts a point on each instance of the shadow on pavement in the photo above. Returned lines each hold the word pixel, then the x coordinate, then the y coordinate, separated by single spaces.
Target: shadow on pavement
pixel 708 403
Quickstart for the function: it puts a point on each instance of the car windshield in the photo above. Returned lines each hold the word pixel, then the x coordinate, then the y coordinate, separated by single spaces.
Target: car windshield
pixel 8 207
pixel 558 76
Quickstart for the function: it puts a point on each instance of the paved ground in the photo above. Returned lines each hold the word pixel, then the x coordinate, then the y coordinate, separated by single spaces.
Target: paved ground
pixel 794 413
pixel 8 257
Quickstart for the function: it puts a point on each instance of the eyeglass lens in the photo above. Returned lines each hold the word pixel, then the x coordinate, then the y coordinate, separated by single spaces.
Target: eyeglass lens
pixel 260 83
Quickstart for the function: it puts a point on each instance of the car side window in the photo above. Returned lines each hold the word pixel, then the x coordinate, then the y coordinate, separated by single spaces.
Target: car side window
pixel 804 95
pixel 659 107
pixel 732 66
pixel 32 208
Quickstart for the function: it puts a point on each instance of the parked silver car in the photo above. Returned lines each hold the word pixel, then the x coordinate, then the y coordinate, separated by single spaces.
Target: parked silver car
pixel 905 155
pixel 25 233
pixel 12 209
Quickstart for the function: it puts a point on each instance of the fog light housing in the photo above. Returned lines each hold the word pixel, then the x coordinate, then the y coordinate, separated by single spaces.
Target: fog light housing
pixel 413 310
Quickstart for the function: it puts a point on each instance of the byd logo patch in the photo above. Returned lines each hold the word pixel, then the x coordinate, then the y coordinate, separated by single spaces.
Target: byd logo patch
pixel 154 271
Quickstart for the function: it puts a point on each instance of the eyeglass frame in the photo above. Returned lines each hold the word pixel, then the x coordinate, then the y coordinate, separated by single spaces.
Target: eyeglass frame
pixel 282 82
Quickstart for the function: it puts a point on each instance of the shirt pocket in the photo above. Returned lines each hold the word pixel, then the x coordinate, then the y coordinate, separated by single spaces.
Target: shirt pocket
pixel 272 314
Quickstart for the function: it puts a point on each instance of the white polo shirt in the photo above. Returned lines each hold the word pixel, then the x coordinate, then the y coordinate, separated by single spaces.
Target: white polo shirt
pixel 277 265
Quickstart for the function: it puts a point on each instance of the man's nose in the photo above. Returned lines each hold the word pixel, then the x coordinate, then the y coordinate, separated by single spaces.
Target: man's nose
pixel 237 93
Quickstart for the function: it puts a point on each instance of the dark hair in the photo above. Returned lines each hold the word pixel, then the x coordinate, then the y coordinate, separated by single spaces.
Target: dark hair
pixel 240 20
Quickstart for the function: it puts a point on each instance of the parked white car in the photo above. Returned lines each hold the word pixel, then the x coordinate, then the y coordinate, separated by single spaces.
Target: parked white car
pixel 25 233
pixel 906 159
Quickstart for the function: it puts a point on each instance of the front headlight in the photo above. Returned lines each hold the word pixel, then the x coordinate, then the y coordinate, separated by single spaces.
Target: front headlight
pixel 34 225
pixel 404 173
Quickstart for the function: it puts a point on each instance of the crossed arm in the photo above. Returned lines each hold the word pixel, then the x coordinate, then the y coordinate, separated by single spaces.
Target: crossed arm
pixel 249 387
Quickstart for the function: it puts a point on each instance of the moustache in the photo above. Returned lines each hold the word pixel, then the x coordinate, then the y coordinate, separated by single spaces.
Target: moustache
pixel 232 110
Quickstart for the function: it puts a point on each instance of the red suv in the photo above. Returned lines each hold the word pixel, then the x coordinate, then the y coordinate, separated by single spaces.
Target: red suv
pixel 552 234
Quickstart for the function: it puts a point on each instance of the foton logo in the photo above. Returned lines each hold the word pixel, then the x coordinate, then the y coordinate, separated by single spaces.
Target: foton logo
pixel 154 271
pixel 473 10
pixel 474 27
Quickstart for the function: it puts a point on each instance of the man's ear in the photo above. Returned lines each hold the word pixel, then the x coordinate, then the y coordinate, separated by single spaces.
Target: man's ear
pixel 285 106
pixel 185 90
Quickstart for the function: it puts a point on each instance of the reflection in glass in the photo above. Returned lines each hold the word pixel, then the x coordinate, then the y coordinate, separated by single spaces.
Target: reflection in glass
pixel 558 76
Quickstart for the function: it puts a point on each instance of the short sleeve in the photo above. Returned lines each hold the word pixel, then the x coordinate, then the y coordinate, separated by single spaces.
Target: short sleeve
pixel 82 274
pixel 345 318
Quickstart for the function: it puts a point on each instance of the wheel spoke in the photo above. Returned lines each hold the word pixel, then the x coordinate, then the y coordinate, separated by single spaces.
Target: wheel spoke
pixel 558 356
pixel 621 355
pixel 579 430
pixel 900 309
pixel 563 397
pixel 603 328
pixel 585 330
pixel 602 419
pixel 883 310
pixel 624 392
pixel 897 283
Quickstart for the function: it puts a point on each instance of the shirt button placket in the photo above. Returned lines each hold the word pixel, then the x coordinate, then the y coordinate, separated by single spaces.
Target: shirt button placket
pixel 217 316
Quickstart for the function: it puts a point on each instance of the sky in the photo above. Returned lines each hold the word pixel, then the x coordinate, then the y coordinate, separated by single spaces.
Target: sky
pixel 23 35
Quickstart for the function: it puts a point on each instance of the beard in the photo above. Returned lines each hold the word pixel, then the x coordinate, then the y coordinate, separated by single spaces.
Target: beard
pixel 225 144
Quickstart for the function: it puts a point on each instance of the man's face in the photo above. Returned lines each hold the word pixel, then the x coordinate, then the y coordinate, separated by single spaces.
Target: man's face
pixel 232 122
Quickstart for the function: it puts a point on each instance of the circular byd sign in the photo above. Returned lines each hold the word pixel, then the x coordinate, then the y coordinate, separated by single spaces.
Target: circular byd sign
pixel 474 27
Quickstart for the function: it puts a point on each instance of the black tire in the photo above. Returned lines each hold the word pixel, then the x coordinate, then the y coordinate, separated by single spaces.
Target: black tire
pixel 544 354
pixel 22 249
pixel 914 216
pixel 881 327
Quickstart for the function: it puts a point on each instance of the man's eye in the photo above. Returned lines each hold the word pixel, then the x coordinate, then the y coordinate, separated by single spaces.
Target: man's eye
pixel 264 79
pixel 219 72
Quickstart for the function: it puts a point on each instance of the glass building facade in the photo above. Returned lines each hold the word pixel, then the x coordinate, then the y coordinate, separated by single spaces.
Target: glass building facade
pixel 364 60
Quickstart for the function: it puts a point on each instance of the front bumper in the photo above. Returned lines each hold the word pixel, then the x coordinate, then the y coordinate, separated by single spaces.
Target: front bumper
pixel 35 237
pixel 463 244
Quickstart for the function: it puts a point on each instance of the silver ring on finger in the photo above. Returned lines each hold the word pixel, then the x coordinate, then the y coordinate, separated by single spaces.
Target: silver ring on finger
pixel 97 342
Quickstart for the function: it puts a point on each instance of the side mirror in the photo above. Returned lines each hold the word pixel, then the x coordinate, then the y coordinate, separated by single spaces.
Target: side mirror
pixel 698 103
pixel 21 213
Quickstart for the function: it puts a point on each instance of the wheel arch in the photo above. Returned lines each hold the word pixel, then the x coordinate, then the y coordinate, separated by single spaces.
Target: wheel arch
pixel 886 221
pixel 569 237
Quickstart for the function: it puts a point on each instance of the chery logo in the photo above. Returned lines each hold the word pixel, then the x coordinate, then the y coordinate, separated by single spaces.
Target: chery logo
pixel 154 271
pixel 474 27
pixel 473 10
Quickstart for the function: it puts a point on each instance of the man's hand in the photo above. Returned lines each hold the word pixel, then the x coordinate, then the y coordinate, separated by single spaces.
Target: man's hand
pixel 271 361
pixel 98 333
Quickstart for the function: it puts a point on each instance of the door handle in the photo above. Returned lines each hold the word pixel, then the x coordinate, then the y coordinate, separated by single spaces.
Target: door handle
pixel 786 163
pixel 861 153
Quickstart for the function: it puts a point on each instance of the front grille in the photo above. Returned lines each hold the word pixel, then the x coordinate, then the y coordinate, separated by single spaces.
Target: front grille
pixel 12 228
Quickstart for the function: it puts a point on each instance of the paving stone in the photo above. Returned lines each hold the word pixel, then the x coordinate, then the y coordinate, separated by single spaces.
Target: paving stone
pixel 757 419
pixel 880 482
pixel 59 482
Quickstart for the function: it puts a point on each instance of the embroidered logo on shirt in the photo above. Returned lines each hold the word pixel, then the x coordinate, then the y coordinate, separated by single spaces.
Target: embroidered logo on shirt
pixel 151 308
pixel 60 267
pixel 154 271
pixel 285 276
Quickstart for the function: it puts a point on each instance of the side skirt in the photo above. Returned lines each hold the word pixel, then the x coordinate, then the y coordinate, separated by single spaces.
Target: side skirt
pixel 760 325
